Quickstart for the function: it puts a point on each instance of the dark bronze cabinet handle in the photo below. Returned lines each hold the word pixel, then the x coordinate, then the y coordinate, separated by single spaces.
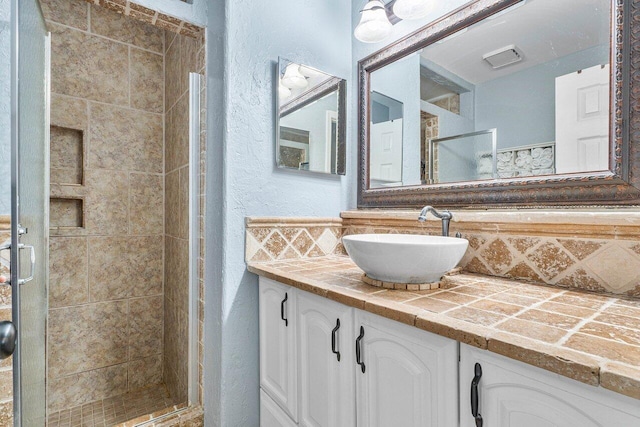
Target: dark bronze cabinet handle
pixel 358 355
pixel 333 339
pixel 474 395
pixel 286 297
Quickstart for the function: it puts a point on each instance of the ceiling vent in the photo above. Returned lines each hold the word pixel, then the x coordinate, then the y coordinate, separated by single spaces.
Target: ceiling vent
pixel 503 56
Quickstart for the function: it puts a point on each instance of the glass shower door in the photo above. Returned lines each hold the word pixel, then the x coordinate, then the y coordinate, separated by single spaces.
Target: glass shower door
pixel 29 208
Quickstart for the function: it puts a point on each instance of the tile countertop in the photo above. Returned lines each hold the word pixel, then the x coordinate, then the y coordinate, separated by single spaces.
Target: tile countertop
pixel 591 338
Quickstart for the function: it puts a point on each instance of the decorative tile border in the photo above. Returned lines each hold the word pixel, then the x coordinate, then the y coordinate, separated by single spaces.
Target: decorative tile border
pixel 591 251
pixel 150 16
pixel 580 252
pixel 270 239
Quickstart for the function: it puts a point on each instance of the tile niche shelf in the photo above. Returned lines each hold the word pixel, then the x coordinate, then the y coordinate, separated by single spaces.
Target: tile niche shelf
pixel 67 156
pixel 66 213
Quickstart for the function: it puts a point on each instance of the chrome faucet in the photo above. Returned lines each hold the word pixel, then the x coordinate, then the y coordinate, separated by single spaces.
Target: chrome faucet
pixel 445 216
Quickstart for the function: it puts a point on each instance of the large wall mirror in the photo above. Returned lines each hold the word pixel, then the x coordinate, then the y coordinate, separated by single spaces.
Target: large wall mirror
pixel 310 121
pixel 503 102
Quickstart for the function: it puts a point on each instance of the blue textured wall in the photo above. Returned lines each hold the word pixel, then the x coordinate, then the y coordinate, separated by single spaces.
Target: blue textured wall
pixel 242 179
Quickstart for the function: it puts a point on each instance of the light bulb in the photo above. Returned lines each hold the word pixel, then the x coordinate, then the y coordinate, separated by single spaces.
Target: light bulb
pixel 292 77
pixel 283 91
pixel 374 24
pixel 412 9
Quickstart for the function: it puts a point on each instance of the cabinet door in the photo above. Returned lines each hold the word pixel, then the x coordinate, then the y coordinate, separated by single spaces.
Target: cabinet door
pixel 271 415
pixel 327 385
pixel 278 344
pixel 513 394
pixel 410 377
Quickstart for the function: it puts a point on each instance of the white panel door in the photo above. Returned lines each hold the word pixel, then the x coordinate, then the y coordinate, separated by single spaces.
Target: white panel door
pixel 410 376
pixel 512 394
pixel 271 415
pixel 386 151
pixel 278 344
pixel 327 382
pixel 582 121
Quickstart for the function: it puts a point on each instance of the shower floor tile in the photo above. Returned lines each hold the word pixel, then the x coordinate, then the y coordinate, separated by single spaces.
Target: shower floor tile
pixel 114 410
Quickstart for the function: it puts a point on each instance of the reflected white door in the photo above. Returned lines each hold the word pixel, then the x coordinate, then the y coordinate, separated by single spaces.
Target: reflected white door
pixel 386 152
pixel 582 121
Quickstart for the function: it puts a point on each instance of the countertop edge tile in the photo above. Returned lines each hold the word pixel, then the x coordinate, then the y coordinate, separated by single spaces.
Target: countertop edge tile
pixel 458 330
pixel 621 378
pixel 568 363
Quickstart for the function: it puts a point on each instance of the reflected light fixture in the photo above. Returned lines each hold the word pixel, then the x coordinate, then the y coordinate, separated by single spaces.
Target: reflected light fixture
pixel 374 24
pixel 283 91
pixel 412 9
pixel 292 78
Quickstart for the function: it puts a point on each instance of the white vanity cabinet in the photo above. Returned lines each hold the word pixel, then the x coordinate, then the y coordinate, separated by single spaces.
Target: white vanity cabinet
pixel 513 394
pixel 278 346
pixel 410 376
pixel 407 377
pixel 325 362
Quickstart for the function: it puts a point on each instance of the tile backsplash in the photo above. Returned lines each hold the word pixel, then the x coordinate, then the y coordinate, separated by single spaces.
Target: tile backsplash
pixel 592 251
pixel 270 239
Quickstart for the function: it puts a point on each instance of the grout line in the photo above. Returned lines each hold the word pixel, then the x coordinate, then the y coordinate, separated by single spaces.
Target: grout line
pixel 69 27
pixel 584 321
pixel 89 101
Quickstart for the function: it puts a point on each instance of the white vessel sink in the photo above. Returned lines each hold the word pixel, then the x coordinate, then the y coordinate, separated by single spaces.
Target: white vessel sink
pixel 405 258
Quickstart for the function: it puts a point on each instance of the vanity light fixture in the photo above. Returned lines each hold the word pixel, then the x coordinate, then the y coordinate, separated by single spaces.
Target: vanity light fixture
pixel 374 23
pixel 412 9
pixel 292 78
pixel 283 91
pixel 378 19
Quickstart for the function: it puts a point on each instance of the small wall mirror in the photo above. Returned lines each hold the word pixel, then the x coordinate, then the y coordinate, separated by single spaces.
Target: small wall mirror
pixel 310 121
pixel 516 95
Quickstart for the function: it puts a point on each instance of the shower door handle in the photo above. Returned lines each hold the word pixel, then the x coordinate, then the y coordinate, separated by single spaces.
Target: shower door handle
pixel 32 258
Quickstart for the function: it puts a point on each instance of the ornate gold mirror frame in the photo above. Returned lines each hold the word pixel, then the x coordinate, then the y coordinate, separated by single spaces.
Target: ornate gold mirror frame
pixel 620 185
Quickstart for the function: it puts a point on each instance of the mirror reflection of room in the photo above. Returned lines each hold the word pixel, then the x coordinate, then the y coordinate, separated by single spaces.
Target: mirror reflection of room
pixel 309 131
pixel 522 93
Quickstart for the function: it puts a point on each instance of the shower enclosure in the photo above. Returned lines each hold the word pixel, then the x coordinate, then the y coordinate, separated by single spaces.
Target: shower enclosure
pixel 109 192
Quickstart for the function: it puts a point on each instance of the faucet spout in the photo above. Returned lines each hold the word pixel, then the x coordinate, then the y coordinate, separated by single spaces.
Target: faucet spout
pixel 445 216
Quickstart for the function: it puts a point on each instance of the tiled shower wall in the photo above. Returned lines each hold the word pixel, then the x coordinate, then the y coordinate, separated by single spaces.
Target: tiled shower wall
pixel 105 331
pixel 6 371
pixel 183 55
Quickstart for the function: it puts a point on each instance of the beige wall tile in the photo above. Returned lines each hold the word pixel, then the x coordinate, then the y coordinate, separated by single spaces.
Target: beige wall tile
pixel 145 327
pixel 67 271
pixel 77 389
pixel 87 337
pixel 183 231
pixel 6 384
pixel 172 211
pixel 177 135
pixel 121 267
pixel 6 413
pixel 106 208
pixel 144 372
pixel 69 112
pixel 174 84
pixel 125 139
pixel 122 28
pixel 89 67
pixel 146 200
pixel 74 13
pixel 147 81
